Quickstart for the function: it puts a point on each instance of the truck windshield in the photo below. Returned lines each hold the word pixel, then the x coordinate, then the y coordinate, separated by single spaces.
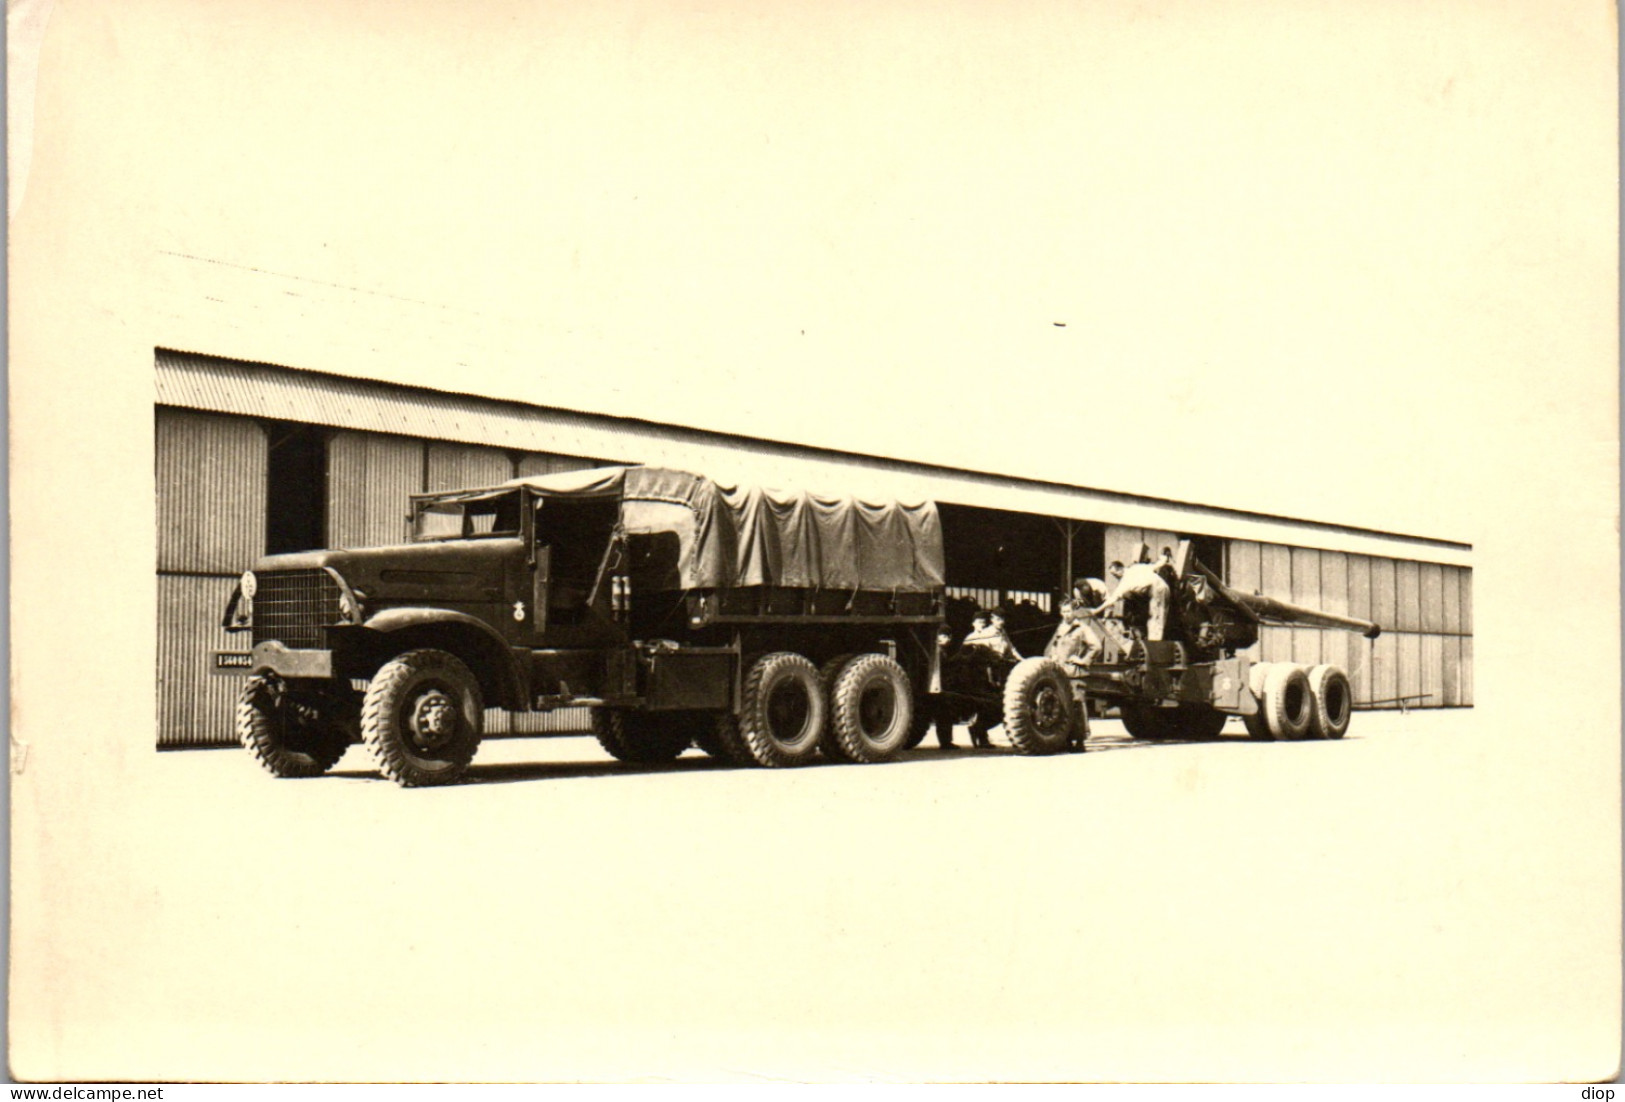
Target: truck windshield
pixel 465 517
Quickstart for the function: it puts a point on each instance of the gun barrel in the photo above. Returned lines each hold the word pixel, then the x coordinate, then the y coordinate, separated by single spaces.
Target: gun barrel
pixel 1268 608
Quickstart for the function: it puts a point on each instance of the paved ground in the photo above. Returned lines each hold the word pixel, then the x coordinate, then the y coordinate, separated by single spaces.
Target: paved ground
pixel 1275 910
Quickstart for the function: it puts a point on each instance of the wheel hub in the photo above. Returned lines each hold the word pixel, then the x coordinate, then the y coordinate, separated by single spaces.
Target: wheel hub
pixel 434 720
pixel 1048 712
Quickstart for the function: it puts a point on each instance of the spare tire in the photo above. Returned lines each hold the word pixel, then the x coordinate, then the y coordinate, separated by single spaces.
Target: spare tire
pixel 1288 705
pixel 1041 716
pixel 1333 698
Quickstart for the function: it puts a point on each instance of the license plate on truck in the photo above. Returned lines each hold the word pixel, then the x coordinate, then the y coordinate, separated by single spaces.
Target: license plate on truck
pixel 232 661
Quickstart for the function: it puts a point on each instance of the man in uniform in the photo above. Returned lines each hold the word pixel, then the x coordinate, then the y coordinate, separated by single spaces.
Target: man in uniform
pixel 1141 581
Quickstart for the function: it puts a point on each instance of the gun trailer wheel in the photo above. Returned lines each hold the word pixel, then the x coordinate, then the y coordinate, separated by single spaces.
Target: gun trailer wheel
pixel 782 720
pixel 871 710
pixel 1040 714
pixel 422 718
pixel 1333 699
pixel 1288 704
pixel 292 733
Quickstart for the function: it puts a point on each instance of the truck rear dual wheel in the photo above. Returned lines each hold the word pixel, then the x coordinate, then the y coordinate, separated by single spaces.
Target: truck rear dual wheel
pixel 422 718
pixel 294 733
pixel 871 710
pixel 784 710
pixel 644 738
pixel 1041 716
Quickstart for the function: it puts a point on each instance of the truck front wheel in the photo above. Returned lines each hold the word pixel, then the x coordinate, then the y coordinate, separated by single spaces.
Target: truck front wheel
pixel 293 733
pixel 784 711
pixel 422 718
pixel 873 709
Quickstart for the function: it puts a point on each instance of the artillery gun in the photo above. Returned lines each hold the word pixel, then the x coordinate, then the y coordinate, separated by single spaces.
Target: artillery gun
pixel 1186 685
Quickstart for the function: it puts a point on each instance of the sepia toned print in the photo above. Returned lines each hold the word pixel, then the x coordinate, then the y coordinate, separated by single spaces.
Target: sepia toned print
pixel 564 542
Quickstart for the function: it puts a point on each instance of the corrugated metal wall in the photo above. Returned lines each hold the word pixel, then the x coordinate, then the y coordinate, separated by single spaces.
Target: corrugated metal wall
pixel 211 473
pixel 369 476
pixel 211 506
pixel 1424 610
pixel 211 492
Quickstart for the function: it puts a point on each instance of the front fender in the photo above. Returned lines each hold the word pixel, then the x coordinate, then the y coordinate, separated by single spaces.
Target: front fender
pixel 489 644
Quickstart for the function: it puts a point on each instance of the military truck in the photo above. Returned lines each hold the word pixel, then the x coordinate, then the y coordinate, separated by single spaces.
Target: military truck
pixel 1189 683
pixel 769 628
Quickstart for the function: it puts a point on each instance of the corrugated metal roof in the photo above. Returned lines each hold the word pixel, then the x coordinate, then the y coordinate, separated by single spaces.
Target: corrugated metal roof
pixel 196 381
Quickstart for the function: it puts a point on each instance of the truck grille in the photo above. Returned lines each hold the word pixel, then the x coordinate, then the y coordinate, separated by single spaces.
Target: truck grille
pixel 293 606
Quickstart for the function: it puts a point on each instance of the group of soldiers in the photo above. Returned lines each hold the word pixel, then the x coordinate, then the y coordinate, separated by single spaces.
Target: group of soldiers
pixel 1094 619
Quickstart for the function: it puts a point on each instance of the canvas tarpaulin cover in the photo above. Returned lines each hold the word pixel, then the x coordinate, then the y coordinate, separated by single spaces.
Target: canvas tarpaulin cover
pixel 752 535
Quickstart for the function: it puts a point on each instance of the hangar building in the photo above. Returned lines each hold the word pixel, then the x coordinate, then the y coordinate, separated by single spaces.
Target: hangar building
pixel 254 457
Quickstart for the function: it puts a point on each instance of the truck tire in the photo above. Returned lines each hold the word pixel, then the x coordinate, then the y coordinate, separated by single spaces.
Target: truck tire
pixel 1333 701
pixel 641 737
pixel 1288 705
pixel 721 739
pixel 294 734
pixel 1198 722
pixel 422 718
pixel 1145 722
pixel 1258 724
pixel 871 710
pixel 1040 714
pixel 827 673
pixel 784 710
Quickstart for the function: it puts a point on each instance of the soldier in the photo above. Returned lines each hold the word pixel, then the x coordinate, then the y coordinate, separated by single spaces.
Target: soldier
pixel 1141 581
pixel 1071 645
pixel 941 706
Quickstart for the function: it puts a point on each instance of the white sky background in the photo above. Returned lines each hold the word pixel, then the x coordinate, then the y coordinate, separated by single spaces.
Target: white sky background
pixel 1309 258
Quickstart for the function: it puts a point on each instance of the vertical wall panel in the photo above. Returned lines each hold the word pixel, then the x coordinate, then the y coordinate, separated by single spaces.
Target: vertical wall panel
pixel 1357 661
pixel 1121 544
pixel 1359 603
pixel 1383 594
pixel 1334 582
pixel 1275 644
pixel 1467 669
pixel 1451 599
pixel 194 706
pixel 466 466
pixel 1408 578
pixel 369 478
pixel 543 463
pixel 1246 567
pixel 1410 667
pixel 1452 668
pixel 1385 670
pixel 1277 580
pixel 1306 646
pixel 1465 578
pixel 211 473
pixel 1305 577
pixel 1157 540
pixel 1432 671
pixel 1432 597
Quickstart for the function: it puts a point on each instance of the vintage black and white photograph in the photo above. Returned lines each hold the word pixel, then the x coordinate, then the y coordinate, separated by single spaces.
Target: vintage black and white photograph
pixel 813 542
